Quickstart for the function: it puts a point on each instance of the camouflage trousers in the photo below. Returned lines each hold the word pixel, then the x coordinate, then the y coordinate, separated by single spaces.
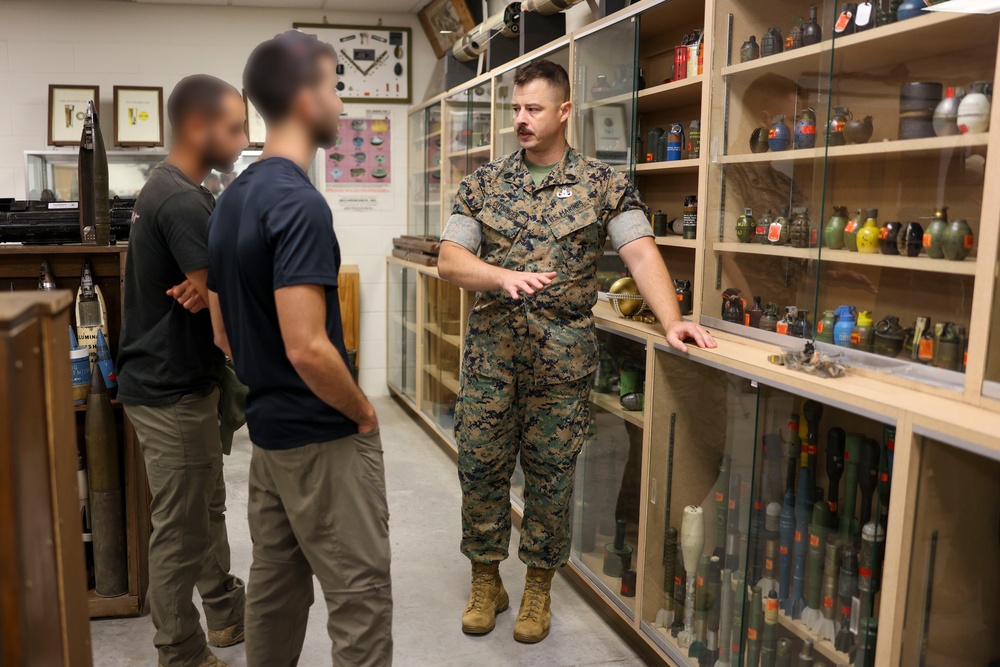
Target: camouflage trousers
pixel 547 425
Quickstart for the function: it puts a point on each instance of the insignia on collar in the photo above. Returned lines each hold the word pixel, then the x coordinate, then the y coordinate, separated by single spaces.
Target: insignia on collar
pixel 564 193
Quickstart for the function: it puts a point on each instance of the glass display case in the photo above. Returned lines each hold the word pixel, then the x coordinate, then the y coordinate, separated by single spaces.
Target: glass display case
pixel 425 171
pixel 766 521
pixel 467 135
pixel 844 196
pixel 402 329
pixel 604 99
pixel 442 336
pixel 609 470
pixel 56 171
pixel 953 594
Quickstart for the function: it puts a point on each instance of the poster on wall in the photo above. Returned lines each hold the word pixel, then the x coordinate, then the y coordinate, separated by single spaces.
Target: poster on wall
pixel 358 169
pixel 255 128
pixel 138 116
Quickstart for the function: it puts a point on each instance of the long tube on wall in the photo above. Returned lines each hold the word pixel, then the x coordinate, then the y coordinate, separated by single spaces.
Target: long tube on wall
pixel 548 7
pixel 506 23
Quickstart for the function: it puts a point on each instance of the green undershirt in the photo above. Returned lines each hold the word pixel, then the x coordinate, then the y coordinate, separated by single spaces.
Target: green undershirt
pixel 538 172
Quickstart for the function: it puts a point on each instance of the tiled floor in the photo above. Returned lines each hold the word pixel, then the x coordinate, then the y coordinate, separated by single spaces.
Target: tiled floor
pixel 430 577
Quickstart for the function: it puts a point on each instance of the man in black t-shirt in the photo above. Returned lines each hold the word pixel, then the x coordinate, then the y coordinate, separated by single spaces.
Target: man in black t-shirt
pixel 169 371
pixel 317 502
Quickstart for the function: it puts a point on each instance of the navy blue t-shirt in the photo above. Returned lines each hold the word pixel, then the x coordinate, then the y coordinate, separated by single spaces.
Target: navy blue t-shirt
pixel 272 229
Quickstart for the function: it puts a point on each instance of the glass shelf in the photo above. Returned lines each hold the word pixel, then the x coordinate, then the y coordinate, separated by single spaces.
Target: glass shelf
pixel 425 172
pixel 402 330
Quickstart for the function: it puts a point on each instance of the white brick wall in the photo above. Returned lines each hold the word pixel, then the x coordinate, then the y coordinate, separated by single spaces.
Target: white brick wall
pixel 114 43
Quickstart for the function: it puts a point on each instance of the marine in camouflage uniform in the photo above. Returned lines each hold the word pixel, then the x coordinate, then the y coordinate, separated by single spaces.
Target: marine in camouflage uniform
pixel 526 371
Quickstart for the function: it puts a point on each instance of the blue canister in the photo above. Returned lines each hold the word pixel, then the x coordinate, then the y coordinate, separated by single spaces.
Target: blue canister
pixel 79 360
pixel 675 142
pixel 846 319
pixel 805 129
pixel 105 362
pixel 779 137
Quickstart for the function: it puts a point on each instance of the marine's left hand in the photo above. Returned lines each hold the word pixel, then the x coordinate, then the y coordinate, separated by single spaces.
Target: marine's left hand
pixel 680 330
pixel 187 295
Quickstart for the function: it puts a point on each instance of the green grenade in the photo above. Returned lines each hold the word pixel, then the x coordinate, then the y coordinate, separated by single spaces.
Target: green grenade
pixel 851 231
pixel 957 240
pixel 801 231
pixel 935 232
pixel 769 320
pixel 833 234
pixel 824 328
pixel 763 227
pixel 863 332
pixel 746 226
pixel 780 229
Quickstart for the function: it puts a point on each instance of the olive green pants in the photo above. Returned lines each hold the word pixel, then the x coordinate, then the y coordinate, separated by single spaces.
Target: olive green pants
pixel 547 425
pixel 320 509
pixel 189 546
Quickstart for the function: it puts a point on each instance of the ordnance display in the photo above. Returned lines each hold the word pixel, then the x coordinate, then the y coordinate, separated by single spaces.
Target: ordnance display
pixel 105 485
pixel 91 311
pixel 54 223
pixel 95 213
pixel 692 542
pixel 506 22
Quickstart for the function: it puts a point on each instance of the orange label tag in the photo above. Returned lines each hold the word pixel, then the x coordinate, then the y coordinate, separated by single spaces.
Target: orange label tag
pixel 772 604
pixel 783 328
pixel 774 233
pixel 701 581
pixel 772 134
pixel 819 327
pixel 845 610
pixel 751 634
pixel 814 540
pixel 677 580
pixel 885 477
pixel 718 496
pixel 926 350
pixel 968 241
pixel 746 319
pixel 855 338
pixel 883 233
pixel 828 603
pixel 798 536
pixel 851 226
pixel 732 503
pixel 843 21
pixel 680 297
pixel 783 550
pixel 807 129
pixel 927 240
pixel 768 564
pixel 865 572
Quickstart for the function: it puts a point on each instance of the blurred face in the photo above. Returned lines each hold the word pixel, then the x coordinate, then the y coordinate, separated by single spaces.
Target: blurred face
pixel 223 136
pixel 540 115
pixel 320 105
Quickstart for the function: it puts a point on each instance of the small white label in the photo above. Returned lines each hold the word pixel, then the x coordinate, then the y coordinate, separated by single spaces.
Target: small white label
pixel 652 491
pixel 56 205
pixel 864 13
pixel 753 383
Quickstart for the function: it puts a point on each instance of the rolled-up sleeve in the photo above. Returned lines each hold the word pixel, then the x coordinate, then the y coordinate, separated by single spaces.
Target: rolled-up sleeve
pixel 463 228
pixel 625 215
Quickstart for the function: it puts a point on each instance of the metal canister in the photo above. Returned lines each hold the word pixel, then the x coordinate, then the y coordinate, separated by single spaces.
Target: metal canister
pixel 659 223
pixel 694 139
pixel 690 217
pixel 685 297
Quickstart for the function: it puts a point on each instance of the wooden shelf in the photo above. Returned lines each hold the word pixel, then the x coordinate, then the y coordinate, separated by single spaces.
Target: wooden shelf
pixel 614 99
pixel 689 166
pixel 908 148
pixel 824 648
pixel 450 383
pixel 926 264
pixel 455 340
pixel 62 249
pixel 673 95
pixel 915 39
pixel 609 402
pixel 471 152
pixel 676 242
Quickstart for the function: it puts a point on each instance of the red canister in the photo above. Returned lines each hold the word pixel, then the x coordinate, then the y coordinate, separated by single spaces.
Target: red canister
pixel 680 62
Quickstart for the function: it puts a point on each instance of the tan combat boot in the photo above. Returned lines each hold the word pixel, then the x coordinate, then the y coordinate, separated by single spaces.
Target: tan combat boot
pixel 532 625
pixel 211 660
pixel 487 599
pixel 225 637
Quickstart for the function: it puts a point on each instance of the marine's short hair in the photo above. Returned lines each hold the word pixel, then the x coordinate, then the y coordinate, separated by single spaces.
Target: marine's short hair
pixel 280 67
pixel 198 94
pixel 554 73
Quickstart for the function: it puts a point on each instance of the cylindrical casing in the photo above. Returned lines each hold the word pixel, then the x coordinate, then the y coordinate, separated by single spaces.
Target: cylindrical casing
pixel 786 537
pixel 768 644
pixel 852 454
pixel 692 536
pixel 110 564
pixel 726 615
pixel 548 7
pixel 830 566
pixel 816 553
pixel 754 628
pixel 721 507
pixel 95 200
pixel 783 656
pixel 701 600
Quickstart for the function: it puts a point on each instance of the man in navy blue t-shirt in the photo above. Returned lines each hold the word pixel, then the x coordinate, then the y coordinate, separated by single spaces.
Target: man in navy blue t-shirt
pixel 317 501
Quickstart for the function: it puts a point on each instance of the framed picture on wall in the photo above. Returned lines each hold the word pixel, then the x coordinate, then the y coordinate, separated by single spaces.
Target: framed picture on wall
pixel 67 109
pixel 611 144
pixel 138 116
pixel 255 128
pixel 373 62
pixel 444 22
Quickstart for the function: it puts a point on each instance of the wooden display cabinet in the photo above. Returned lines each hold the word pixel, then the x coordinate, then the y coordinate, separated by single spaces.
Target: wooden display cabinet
pixel 19 269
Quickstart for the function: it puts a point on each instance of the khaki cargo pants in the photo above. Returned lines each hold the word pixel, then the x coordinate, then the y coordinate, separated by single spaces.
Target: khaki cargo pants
pixel 320 509
pixel 189 546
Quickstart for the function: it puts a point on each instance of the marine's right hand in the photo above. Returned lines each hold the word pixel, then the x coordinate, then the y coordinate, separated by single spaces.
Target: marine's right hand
pixel 515 282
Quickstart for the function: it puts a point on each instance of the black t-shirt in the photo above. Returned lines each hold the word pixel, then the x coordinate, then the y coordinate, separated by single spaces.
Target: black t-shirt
pixel 165 351
pixel 272 229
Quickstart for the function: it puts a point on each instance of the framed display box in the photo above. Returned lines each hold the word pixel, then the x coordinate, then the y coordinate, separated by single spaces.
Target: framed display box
pixel 444 22
pixel 373 61
pixel 138 116
pixel 67 109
